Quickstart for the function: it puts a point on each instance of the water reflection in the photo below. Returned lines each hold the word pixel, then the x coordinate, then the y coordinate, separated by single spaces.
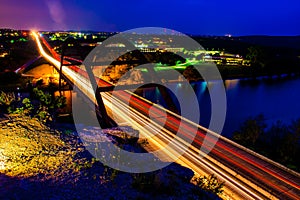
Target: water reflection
pixel 276 99
pixel 231 84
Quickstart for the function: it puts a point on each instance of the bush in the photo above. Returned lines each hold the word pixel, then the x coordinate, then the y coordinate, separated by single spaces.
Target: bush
pixel 210 184
pixel 250 131
pixel 279 142
pixel 43 106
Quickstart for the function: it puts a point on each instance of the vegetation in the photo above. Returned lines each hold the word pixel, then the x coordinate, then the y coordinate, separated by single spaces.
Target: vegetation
pixel 279 142
pixel 167 182
pixel 43 105
pixel 250 131
pixel 210 184
pixel 255 55
pixel 6 99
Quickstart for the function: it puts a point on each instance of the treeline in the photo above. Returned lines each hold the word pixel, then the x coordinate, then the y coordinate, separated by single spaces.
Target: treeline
pixel 279 141
pixel 268 56
pixel 273 61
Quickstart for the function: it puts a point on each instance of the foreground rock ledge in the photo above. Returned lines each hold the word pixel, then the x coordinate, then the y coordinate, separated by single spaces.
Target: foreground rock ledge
pixel 39 163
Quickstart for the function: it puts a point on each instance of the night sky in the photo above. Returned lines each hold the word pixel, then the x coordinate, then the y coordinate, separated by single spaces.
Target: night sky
pixel 204 17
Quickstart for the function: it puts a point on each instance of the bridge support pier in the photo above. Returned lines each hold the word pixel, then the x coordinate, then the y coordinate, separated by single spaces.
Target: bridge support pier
pixel 63 46
pixel 103 118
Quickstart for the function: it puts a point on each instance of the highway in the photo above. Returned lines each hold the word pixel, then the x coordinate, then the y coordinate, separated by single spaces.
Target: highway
pixel 247 175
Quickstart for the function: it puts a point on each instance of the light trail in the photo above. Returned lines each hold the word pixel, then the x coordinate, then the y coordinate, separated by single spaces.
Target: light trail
pixel 246 161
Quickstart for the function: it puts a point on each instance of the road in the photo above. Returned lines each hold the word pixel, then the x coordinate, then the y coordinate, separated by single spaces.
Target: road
pixel 247 175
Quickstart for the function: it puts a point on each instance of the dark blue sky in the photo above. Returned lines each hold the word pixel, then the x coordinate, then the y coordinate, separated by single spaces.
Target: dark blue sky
pixel 208 17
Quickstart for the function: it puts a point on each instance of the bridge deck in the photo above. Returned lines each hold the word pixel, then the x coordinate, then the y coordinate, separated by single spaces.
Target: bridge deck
pixel 247 174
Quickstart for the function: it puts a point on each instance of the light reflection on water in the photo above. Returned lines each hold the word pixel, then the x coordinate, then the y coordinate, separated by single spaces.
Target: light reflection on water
pixel 276 99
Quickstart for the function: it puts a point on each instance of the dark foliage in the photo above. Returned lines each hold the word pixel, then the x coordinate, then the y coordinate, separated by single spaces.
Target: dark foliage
pixel 279 142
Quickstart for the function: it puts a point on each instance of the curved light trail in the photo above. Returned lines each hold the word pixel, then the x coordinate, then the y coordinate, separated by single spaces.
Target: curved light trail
pixel 246 174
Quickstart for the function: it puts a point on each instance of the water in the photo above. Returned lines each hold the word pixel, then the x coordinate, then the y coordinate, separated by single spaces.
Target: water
pixel 276 99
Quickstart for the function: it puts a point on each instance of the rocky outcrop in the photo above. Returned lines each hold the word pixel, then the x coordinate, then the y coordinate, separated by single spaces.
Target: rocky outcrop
pixel 39 163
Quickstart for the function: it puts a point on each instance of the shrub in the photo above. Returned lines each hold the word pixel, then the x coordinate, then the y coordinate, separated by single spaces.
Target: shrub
pixel 210 183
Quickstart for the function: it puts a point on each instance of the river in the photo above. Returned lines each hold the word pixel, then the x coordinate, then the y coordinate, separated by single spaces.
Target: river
pixel 276 98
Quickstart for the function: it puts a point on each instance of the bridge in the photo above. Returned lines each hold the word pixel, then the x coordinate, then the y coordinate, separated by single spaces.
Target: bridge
pixel 247 175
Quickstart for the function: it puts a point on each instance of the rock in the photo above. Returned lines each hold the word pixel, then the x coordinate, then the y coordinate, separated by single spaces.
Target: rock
pixel 10 124
pixel 42 166
pixel 124 134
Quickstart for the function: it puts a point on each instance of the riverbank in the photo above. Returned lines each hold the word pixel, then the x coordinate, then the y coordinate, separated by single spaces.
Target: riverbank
pixel 229 72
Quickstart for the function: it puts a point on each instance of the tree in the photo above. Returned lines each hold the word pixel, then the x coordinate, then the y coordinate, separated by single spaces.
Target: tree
pixel 250 131
pixel 255 55
pixel 6 100
pixel 46 105
pixel 43 106
pixel 280 142
pixel 273 140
